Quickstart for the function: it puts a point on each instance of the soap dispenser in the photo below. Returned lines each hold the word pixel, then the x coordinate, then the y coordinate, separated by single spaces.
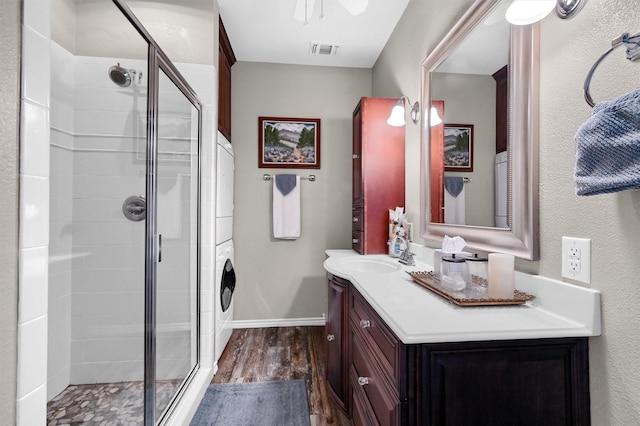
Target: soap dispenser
pixel 396 246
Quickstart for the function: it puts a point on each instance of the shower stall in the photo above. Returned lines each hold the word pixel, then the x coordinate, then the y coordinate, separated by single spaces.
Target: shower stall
pixel 124 248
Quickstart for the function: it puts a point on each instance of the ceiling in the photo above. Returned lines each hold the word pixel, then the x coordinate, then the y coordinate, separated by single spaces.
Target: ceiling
pixel 266 31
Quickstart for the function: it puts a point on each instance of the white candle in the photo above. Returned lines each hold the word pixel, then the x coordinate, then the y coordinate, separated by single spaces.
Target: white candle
pixel 502 278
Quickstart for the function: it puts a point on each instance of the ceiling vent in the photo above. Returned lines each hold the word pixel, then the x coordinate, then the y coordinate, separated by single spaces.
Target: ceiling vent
pixel 323 49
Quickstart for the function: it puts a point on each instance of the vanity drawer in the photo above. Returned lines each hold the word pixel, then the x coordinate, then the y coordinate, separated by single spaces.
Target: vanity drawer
pixel 362 412
pixel 370 386
pixel 384 345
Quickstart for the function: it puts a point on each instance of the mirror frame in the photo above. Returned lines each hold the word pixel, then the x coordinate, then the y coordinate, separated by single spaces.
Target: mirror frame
pixel 521 239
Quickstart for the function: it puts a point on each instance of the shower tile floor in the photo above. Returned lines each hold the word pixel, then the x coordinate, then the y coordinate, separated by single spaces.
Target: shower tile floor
pixel 105 404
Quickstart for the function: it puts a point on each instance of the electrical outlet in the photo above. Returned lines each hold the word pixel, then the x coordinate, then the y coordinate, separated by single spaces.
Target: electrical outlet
pixel 576 259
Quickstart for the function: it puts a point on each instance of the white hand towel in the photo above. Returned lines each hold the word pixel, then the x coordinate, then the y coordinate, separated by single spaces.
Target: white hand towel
pixel 286 212
pixel 454 208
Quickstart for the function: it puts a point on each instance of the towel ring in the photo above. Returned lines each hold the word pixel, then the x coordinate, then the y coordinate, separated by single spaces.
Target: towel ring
pixel 633 53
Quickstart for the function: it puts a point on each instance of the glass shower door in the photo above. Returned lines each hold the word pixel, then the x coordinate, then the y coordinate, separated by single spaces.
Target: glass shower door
pixel 177 228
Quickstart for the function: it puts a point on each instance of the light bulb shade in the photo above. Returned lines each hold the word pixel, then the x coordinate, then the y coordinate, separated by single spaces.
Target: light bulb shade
pixel 397 115
pixel 354 7
pixel 434 118
pixel 525 12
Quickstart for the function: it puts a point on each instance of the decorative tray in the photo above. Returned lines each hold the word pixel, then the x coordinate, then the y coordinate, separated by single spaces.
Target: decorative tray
pixel 475 296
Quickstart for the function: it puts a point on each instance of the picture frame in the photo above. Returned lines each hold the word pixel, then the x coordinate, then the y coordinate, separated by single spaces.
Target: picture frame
pixel 289 143
pixel 458 147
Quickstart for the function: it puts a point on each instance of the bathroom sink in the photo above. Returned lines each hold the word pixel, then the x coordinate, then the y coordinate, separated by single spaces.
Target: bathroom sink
pixel 370 265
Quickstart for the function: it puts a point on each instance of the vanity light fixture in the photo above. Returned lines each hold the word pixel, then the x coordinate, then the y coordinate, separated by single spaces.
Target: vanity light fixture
pixel 435 118
pixel 397 113
pixel 525 12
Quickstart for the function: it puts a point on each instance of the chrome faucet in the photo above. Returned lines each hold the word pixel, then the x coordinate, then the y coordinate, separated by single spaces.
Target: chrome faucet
pixel 406 257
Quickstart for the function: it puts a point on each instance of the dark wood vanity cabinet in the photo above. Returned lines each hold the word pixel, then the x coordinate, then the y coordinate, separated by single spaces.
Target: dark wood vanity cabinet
pixel 378 174
pixel 521 382
pixel 511 382
pixel 336 346
pixel 381 369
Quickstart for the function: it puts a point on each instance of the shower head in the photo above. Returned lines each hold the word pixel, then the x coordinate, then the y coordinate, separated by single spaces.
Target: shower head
pixel 120 75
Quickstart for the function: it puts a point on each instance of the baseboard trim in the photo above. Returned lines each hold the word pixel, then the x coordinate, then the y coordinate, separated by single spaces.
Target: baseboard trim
pixel 285 322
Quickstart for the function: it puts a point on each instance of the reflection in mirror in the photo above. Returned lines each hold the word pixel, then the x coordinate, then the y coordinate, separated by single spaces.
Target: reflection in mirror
pixel 470 86
pixel 498 208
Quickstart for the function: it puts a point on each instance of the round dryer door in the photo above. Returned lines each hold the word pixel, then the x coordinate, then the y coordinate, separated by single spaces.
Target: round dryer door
pixel 228 285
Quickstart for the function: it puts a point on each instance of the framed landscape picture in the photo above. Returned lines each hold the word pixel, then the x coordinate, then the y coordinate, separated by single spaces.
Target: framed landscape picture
pixel 289 142
pixel 458 147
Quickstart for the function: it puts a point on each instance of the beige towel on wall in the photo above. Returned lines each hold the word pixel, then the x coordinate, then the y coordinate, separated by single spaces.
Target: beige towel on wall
pixel 286 209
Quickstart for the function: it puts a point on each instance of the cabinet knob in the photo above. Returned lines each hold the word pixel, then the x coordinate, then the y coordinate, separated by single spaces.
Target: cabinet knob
pixel 355 219
pixel 363 381
pixel 331 337
pixel 365 323
pixel 355 241
pixel 355 156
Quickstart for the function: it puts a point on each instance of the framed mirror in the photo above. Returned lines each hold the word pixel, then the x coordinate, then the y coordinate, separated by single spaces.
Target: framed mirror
pixel 489 85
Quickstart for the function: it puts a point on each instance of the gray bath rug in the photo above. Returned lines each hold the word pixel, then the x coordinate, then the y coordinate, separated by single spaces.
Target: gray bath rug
pixel 274 403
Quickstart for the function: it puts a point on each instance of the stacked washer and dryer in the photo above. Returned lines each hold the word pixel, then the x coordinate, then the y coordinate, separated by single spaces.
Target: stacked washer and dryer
pixel 225 274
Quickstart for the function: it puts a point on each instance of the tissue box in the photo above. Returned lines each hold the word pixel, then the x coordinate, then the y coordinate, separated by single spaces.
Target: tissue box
pixel 437 261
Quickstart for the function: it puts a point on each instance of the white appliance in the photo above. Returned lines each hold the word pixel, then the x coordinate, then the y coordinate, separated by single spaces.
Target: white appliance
pixel 225 274
pixel 224 190
pixel 502 189
pixel 223 296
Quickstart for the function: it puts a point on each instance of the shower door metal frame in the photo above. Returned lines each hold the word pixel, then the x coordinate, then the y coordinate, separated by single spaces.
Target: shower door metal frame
pixel 158 60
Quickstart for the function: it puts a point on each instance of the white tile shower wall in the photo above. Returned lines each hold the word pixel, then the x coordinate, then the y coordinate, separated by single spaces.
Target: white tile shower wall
pixel 107 258
pixel 32 395
pixel 108 250
pixel 60 222
pixel 34 213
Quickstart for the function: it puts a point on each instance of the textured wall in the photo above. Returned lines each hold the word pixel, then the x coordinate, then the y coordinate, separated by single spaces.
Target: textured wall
pixel 278 278
pixel 9 110
pixel 568 50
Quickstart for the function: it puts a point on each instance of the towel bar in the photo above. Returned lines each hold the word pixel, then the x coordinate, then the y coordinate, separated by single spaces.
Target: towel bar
pixel 466 179
pixel 633 53
pixel 310 178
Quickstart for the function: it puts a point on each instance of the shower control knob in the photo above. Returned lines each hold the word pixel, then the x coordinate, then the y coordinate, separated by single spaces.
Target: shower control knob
pixel 331 337
pixel 134 208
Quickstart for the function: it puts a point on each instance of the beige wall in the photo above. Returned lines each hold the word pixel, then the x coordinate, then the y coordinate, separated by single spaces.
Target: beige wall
pixel 280 279
pixel 568 49
pixel 9 110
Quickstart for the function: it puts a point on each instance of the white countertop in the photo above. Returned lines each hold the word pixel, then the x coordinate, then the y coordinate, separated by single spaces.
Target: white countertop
pixel 417 315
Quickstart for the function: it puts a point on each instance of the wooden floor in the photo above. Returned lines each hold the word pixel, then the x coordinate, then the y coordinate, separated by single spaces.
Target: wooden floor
pixel 282 353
